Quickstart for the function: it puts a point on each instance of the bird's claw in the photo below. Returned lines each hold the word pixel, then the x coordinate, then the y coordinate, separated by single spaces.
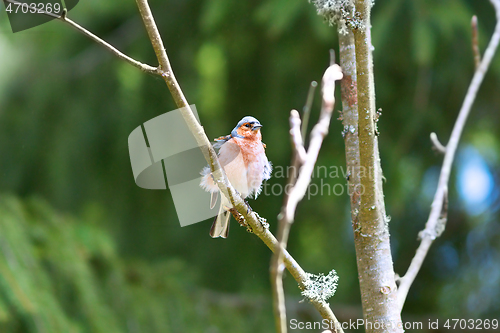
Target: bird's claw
pixel 243 223
pixel 239 217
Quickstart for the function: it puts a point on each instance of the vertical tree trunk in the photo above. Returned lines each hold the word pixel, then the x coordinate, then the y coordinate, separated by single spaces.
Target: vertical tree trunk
pixel 371 235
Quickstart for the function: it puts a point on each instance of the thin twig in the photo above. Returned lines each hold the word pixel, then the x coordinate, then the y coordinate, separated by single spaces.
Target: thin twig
pixel 429 234
pixel 303 178
pixel 252 218
pixel 297 137
pixel 306 111
pixel 299 156
pixel 475 42
pixel 64 18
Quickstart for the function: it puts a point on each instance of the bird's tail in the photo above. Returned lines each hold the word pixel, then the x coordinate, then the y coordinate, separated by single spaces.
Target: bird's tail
pixel 220 227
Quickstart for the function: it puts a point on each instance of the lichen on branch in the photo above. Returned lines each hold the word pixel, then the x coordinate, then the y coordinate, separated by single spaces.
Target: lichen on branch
pixel 320 287
pixel 339 12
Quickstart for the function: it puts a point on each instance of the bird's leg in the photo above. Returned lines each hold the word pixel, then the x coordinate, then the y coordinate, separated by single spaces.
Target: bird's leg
pixel 243 223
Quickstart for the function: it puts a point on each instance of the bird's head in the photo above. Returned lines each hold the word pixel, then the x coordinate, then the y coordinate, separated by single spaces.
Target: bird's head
pixel 249 128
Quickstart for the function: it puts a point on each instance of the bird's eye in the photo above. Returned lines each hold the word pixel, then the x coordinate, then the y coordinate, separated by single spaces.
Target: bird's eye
pixel 247 125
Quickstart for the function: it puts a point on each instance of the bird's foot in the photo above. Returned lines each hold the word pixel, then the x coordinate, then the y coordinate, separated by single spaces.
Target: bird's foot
pixel 238 217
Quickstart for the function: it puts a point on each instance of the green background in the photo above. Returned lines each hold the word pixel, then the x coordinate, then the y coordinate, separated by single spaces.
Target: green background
pixel 83 249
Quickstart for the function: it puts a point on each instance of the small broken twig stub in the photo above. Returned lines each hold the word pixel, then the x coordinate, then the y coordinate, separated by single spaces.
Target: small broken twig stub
pixel 436 144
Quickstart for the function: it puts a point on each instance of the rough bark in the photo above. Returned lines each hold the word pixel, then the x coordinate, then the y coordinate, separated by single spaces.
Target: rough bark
pixel 371 234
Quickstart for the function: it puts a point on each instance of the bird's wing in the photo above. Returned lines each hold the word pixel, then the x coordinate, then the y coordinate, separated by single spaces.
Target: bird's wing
pixel 221 140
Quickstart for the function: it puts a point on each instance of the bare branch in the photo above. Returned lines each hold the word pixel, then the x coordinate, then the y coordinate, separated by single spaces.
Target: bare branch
pixel 64 18
pixel 332 74
pixel 299 156
pixel 475 42
pixel 437 144
pixel 430 233
pixel 292 198
pixel 143 67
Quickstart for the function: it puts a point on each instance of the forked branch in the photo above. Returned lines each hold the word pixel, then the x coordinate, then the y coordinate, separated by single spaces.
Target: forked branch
pixel 298 184
pixel 433 227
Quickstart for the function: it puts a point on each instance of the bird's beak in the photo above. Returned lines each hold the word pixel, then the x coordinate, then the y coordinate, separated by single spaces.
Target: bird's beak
pixel 256 127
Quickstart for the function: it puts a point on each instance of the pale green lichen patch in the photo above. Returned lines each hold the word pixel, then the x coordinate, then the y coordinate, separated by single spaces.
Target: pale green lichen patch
pixel 340 12
pixel 320 287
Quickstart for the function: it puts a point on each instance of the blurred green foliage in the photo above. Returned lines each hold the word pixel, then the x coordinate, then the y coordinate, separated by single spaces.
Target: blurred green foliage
pixel 97 253
pixel 59 274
